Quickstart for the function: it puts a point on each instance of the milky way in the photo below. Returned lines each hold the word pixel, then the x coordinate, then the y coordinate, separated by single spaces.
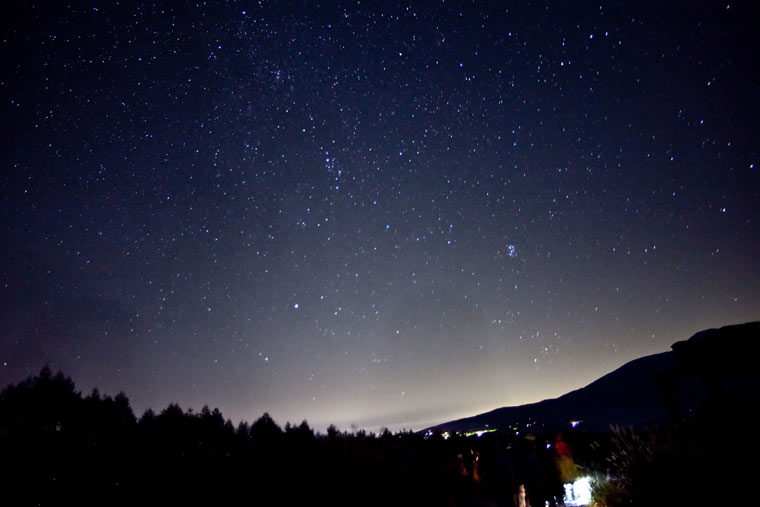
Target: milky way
pixel 365 214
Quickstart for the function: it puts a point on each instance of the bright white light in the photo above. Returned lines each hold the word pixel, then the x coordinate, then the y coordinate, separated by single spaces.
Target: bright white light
pixel 578 492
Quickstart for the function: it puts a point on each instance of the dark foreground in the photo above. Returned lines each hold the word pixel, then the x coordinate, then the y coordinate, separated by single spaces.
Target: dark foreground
pixel 61 448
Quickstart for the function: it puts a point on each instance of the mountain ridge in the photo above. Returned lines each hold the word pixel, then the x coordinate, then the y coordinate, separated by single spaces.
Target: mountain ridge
pixel 666 387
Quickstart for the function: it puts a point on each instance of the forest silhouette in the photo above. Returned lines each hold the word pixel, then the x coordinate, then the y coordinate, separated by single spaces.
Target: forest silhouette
pixel 62 448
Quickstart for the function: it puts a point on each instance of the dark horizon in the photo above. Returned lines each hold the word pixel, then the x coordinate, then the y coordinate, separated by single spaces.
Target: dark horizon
pixel 61 446
pixel 371 216
pixel 729 332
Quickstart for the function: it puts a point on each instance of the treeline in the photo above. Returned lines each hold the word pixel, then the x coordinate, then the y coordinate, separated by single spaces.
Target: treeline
pixel 60 447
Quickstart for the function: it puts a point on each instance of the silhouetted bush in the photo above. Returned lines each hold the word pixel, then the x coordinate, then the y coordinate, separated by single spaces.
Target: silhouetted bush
pixel 687 464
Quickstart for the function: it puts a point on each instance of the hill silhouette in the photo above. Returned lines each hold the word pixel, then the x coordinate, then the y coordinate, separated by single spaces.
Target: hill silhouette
pixel 60 447
pixel 712 366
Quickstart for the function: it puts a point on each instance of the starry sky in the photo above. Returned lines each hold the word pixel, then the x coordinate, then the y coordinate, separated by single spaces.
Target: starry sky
pixel 371 213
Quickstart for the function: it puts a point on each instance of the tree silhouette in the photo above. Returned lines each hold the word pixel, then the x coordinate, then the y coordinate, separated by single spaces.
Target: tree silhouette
pixel 60 447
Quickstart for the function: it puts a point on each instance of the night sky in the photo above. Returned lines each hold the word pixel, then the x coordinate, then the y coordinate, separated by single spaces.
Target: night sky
pixel 371 214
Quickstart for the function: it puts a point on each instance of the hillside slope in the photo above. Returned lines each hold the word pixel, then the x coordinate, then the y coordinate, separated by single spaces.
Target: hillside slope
pixel 670 386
